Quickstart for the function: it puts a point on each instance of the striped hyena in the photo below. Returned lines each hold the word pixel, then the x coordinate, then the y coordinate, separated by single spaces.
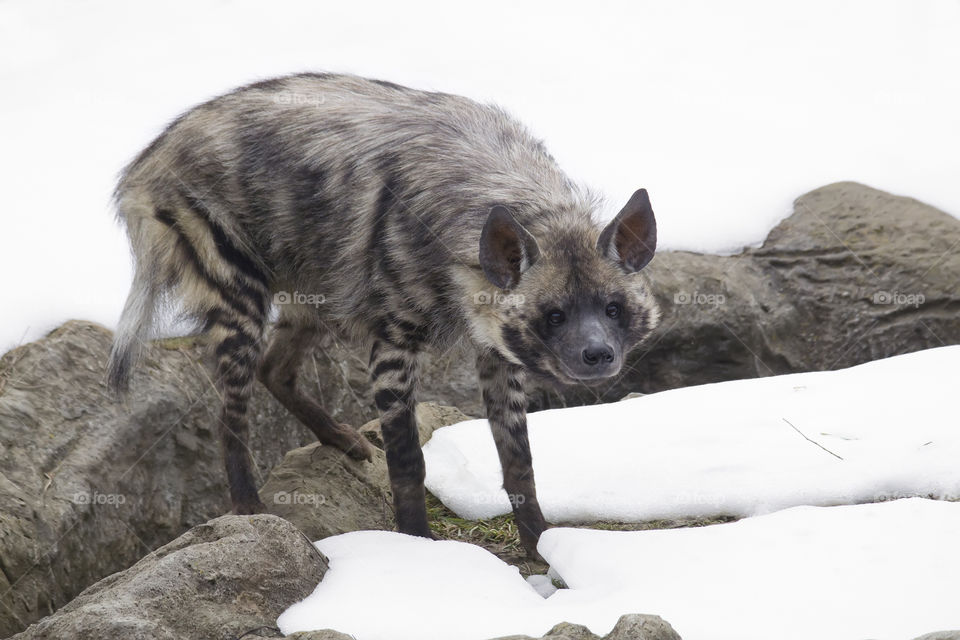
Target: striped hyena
pixel 405 219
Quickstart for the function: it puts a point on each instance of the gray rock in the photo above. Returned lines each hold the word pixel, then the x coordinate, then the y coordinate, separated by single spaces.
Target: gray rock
pixel 222 579
pixel 323 634
pixel 325 493
pixel 940 635
pixel 632 626
pixel 430 417
pixel 635 626
pixel 322 491
pixel 570 631
pixel 89 485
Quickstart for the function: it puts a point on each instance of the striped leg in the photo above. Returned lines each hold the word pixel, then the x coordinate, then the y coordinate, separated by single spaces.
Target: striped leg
pixel 220 283
pixel 394 373
pixel 237 353
pixel 502 386
pixel 289 344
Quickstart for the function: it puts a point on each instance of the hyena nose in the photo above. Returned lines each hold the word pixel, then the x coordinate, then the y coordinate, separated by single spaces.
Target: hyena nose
pixel 597 354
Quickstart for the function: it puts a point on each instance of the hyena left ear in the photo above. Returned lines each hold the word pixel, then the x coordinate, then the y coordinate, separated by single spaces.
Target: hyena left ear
pixel 631 238
pixel 506 248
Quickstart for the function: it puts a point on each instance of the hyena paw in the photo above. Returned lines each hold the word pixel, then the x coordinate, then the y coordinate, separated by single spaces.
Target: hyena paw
pixel 356 446
pixel 421 531
pixel 530 536
pixel 530 546
pixel 249 507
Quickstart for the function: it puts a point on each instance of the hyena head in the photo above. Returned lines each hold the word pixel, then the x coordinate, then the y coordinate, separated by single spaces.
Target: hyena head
pixel 572 303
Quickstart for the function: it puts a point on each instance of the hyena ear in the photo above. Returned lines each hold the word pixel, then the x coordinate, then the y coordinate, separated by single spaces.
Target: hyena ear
pixel 631 238
pixel 506 248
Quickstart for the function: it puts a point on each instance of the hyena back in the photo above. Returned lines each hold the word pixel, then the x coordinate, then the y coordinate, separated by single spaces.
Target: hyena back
pixel 406 219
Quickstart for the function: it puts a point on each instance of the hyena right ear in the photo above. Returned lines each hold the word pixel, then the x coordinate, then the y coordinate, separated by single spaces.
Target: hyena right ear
pixel 631 238
pixel 506 248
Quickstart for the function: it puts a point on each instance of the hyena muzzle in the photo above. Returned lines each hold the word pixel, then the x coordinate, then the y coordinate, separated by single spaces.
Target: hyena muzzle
pixel 403 219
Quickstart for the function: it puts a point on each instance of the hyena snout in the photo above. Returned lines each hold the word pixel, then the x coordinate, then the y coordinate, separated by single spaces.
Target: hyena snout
pixel 591 353
pixel 594 362
pixel 597 360
pixel 598 355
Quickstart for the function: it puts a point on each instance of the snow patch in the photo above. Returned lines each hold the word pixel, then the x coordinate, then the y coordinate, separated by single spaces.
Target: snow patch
pixel 880 430
pixel 885 571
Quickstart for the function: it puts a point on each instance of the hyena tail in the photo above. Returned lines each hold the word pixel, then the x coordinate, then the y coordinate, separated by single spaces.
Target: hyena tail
pixel 135 322
pixel 138 314
pixel 188 260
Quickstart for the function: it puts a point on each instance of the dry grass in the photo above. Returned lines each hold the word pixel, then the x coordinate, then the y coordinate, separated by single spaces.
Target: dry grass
pixel 499 535
pixel 181 342
pixel 8 364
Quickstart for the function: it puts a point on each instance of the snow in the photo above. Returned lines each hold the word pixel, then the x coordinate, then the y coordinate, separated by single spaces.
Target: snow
pixel 542 584
pixel 725 112
pixel 412 587
pixel 882 571
pixel 731 448
pixel 885 571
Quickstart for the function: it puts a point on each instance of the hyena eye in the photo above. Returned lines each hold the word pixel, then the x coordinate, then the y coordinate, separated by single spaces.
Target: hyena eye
pixel 556 317
pixel 613 310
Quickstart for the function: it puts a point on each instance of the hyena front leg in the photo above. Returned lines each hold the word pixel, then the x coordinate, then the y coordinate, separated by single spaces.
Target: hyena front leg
pixel 394 371
pixel 501 383
pixel 289 343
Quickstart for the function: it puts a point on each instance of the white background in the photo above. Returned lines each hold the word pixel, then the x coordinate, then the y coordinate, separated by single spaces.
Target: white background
pixel 725 111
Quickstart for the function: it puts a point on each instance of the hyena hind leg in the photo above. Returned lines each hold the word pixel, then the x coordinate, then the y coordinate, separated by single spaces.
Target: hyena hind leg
pixel 239 344
pixel 289 343
pixel 217 282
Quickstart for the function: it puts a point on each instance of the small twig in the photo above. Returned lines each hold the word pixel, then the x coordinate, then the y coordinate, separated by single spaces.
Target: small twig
pixel 257 631
pixel 316 373
pixel 47 484
pixel 7 372
pixel 813 441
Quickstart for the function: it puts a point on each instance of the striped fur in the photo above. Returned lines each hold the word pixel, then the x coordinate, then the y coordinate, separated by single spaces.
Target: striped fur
pixel 405 219
pixel 501 384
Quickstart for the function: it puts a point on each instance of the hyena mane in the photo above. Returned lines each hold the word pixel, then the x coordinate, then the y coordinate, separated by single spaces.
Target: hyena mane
pixel 401 218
